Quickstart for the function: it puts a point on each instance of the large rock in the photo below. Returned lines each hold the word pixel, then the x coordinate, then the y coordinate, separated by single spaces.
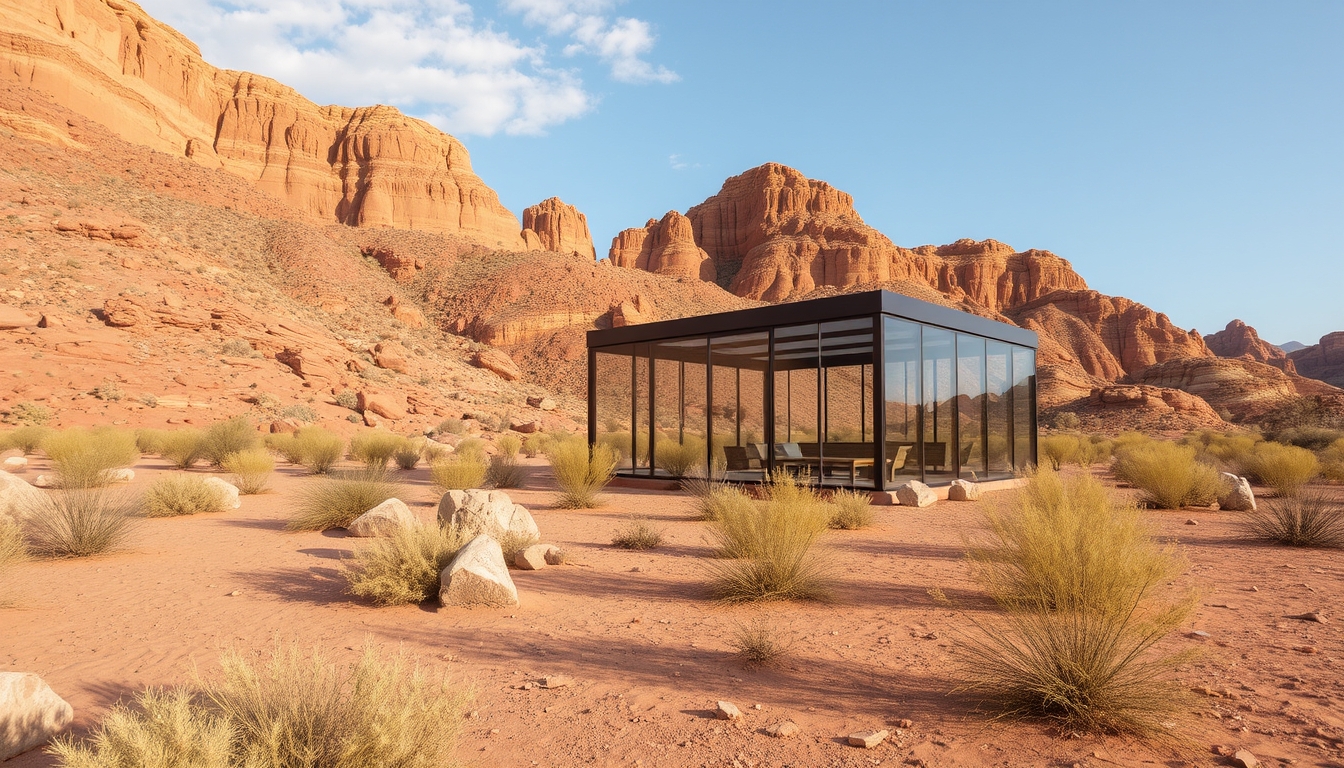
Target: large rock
pixel 1236 494
pixel 478 575
pixel 30 713
pixel 383 520
pixel 1323 360
pixel 666 247
pixel 393 356
pixel 382 404
pixel 915 494
pixel 559 227
pixel 12 317
pixel 492 513
pixel 963 490
pixel 18 499
pixel 228 490
pixel 532 558
pixel 498 363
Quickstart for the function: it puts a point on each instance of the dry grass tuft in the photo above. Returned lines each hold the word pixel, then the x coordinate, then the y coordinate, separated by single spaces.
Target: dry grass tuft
pixel 374 449
pixel 165 729
pixel 1079 577
pixel 581 473
pixel 1057 450
pixel 509 445
pixel 250 470
pixel 458 473
pixel 228 437
pixel 1285 468
pixel 336 501
pixel 504 471
pixel 28 439
pixel 12 548
pixel 703 485
pixel 176 495
pixel 638 534
pixel 182 447
pixel 850 510
pixel 408 453
pixel 1168 475
pixel 760 642
pixel 319 449
pixel 82 458
pixel 80 522
pixel 772 546
pixel 679 459
pixel 404 567
pixel 1305 520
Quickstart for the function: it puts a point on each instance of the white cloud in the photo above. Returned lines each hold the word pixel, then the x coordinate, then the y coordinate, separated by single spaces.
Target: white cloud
pixel 677 163
pixel 620 43
pixel 432 58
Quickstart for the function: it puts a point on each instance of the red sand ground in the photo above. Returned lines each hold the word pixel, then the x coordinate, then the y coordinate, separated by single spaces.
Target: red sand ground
pixel 650 653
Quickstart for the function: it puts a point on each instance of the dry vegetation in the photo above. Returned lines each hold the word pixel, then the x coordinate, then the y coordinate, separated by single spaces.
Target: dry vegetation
pixel 175 495
pixel 377 448
pixel 81 522
pixel 768 550
pixel 850 510
pixel 403 567
pixel 581 473
pixel 1168 474
pixel 82 458
pixel 1285 468
pixel 224 438
pixel 1303 520
pixel 457 473
pixel 335 502
pixel 760 642
pixel 250 470
pixel 637 534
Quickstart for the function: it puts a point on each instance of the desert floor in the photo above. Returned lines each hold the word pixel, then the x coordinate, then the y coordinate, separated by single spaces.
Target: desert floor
pixel 650 653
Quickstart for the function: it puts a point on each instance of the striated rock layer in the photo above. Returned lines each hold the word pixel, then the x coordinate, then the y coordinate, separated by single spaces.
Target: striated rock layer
pixel 1239 340
pixel 371 166
pixel 553 225
pixel 1323 360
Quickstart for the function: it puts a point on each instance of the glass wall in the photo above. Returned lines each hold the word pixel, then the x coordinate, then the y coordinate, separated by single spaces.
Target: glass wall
pixel 834 403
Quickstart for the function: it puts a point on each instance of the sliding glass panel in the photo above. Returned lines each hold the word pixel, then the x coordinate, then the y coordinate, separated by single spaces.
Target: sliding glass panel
pixel 614 405
pixel 1024 407
pixel 640 415
pixel 999 421
pixel 739 404
pixel 797 413
pixel 940 405
pixel 971 406
pixel 902 376
pixel 667 413
pixel 681 443
pixel 846 367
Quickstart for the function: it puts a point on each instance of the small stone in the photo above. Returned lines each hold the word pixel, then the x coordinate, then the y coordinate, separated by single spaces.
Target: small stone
pixel 15 464
pixel 554 555
pixel 44 481
pixel 963 490
pixel 726 710
pixel 915 494
pixel 531 558
pixel 30 713
pixel 1308 616
pixel 1222 750
pixel 1192 521
pixel 782 730
pixel 478 575
pixel 1305 649
pixel 1236 494
pixel 905 723
pixel 1244 759
pixel 235 593
pixel 120 475
pixel 1198 634
pixel 556 681
pixel 229 490
pixel 867 739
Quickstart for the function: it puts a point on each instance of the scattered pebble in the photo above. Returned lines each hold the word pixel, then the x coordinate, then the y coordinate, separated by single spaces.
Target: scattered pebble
pixel 905 723
pixel 235 593
pixel 726 710
pixel 1192 521
pixel 556 681
pixel 1199 634
pixel 1308 616
pixel 1244 759
pixel 867 739
pixel 1305 649
pixel 782 730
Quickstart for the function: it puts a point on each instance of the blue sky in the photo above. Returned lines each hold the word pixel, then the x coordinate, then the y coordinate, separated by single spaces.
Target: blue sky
pixel 1186 155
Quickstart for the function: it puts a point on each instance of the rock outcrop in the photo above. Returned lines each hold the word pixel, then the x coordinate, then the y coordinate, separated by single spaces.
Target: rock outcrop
pixel 1239 340
pixel 667 247
pixel 1242 389
pixel 1324 360
pixel 383 520
pixel 558 227
pixel 367 166
pixel 491 513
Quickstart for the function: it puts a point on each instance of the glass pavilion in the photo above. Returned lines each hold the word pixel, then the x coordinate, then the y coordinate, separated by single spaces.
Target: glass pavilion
pixel 865 390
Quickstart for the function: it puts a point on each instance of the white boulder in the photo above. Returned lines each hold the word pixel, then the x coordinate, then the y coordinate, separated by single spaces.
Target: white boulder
pixel 478 575
pixel 18 499
pixel 492 513
pixel 915 494
pixel 1236 494
pixel 15 464
pixel 963 490
pixel 30 713
pixel 229 490
pixel 533 558
pixel 122 475
pixel 44 481
pixel 383 520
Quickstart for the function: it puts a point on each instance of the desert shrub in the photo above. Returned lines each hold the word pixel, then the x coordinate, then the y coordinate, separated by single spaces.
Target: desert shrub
pixel 1221 448
pixel 1056 450
pixel 304 413
pixel 773 546
pixel 12 548
pixel 1067 420
pixel 165 729
pixel 286 444
pixel 535 445
pixel 80 522
pixel 677 459
pixel 182 447
pixel 347 399
pixel 637 534
pixel 509 445
pixel 149 441
pixel 404 567
pixel 850 510
pixel 250 470
pixel 723 501
pixel 472 448
pixel 504 471
pixel 1079 576
pixel 457 473
pixel 1332 461
pixel 374 449
pixel 1304 520
pixel 336 501
pixel 510 542
pixel 1168 475
pixel 702 484
pixel 26 412
pixel 1127 440
pixel 581 472
pixel 408 453
pixel 1093 451
pixel 1311 438
pixel 319 449
pixel 451 427
pixel 1285 468
pixel 110 391
pixel 759 642
pixel 432 451
pixel 82 458
pixel 28 439
pixel 175 495
pixel 225 437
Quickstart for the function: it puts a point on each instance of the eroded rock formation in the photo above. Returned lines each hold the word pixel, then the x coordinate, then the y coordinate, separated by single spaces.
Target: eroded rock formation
pixel 1239 340
pixel 667 247
pixel 558 226
pixel 1323 360
pixel 368 166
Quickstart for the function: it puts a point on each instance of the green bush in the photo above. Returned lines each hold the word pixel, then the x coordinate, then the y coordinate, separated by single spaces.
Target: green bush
pixel 637 534
pixel 1168 475
pixel 1285 468
pixel 175 495
pixel 504 471
pixel 1080 579
pixel 457 473
pixel 336 501
pixel 581 473
pixel 80 522
pixel 1304 520
pixel 850 510
pixel 374 449
pixel 677 459
pixel 404 567
pixel 82 458
pixel 182 447
pixel 772 546
pixel 250 470
pixel 225 437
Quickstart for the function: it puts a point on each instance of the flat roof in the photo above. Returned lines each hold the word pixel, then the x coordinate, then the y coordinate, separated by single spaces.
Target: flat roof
pixel 866 303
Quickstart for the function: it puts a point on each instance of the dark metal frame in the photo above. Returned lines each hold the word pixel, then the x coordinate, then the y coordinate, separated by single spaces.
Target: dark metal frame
pixel 765 319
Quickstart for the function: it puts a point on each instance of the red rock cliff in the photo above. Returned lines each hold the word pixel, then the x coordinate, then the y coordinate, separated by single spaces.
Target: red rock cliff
pixel 1323 360
pixel 558 227
pixel 375 167
pixel 1240 341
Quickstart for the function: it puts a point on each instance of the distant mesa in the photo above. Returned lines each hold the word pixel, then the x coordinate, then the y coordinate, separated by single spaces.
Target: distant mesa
pixel 553 225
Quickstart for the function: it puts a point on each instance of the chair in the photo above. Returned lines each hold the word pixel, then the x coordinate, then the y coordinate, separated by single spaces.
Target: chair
pixel 788 451
pixel 736 456
pixel 898 461
pixel 966 453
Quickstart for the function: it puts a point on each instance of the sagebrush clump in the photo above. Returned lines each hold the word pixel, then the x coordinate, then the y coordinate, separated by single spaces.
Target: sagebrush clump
pixel 679 458
pixel 81 522
pixel 1285 468
pixel 760 642
pixel 250 470
pixel 175 495
pixel 850 510
pixel 83 458
pixel 504 471
pixel 581 472
pixel 769 549
pixel 403 567
pixel 457 473
pixel 1169 475
pixel 638 534
pixel 375 448
pixel 227 437
pixel 182 447
pixel 336 501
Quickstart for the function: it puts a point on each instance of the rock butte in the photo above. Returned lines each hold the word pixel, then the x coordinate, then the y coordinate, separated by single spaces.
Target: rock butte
pixel 1239 340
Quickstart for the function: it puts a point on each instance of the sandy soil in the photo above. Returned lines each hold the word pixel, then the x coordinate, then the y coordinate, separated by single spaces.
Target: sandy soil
pixel 651 654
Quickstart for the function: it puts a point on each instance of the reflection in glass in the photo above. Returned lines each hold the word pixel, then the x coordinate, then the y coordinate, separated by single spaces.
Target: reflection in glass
pixel 1024 407
pixel 998 379
pixel 940 406
pixel 970 406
